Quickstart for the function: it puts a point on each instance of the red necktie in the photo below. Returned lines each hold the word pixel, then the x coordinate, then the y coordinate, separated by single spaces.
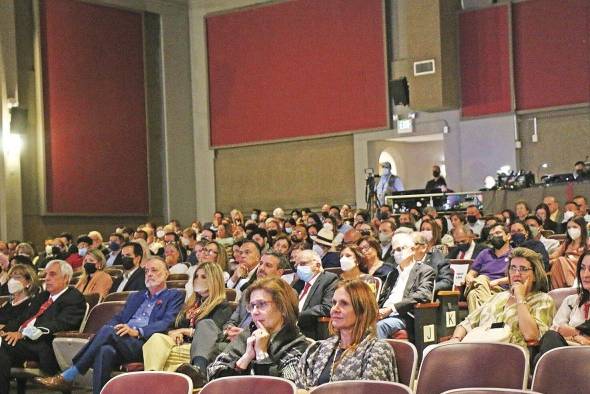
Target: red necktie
pixel 305 290
pixel 586 309
pixel 41 310
pixel 461 255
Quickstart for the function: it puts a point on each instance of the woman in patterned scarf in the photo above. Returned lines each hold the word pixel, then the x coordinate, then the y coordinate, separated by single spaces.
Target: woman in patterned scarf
pixel 165 352
pixel 354 352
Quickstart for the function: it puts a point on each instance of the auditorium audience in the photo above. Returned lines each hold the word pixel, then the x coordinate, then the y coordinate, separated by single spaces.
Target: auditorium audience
pixel 520 235
pixel 571 324
pixel 525 310
pixel 93 278
pixel 353 352
pixel 564 259
pixel 275 345
pixel 372 263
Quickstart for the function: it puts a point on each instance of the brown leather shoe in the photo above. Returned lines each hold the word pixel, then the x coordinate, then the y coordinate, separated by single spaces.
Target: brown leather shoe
pixel 55 383
pixel 197 376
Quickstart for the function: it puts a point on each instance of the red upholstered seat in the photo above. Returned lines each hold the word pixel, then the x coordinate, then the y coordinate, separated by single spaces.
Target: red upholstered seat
pixel 149 382
pixel 489 390
pixel 249 385
pixel 406 359
pixel 563 370
pixel 361 387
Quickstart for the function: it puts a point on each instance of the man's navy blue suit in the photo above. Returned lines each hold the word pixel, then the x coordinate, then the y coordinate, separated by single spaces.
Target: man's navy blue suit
pixel 107 350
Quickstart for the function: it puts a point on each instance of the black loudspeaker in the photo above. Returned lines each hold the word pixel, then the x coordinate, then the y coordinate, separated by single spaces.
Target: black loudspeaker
pixel 399 91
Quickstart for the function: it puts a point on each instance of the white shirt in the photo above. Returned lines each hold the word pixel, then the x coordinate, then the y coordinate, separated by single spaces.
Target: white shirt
pixel 397 293
pixel 569 313
pixel 311 282
pixel 112 258
pixel 126 276
pixel 477 227
pixel 230 284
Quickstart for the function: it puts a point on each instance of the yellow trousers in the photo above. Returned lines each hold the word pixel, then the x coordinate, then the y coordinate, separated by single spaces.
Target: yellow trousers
pixel 160 353
pixel 479 292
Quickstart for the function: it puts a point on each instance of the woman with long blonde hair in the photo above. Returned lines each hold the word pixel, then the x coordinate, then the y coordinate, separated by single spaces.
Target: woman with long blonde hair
pixel 165 352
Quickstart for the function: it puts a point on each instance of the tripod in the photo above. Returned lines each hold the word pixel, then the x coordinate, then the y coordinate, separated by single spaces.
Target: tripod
pixel 371 199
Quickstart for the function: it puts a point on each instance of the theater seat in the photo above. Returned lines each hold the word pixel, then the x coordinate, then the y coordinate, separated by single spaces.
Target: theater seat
pixel 563 370
pixel 149 382
pixel 489 390
pixel 361 387
pixel 406 359
pixel 118 296
pixel 559 295
pixel 249 385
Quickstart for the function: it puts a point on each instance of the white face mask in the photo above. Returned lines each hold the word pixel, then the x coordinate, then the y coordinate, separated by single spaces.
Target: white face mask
pixel 385 171
pixel 401 255
pixel 253 216
pixel 347 263
pixel 15 286
pixel 427 234
pixel 384 238
pixel 185 241
pixel 160 234
pixel 567 215
pixel 574 233
pixel 200 288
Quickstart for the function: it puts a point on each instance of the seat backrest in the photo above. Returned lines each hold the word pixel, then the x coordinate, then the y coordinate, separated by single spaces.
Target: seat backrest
pixel 361 387
pixel 559 295
pixel 175 284
pixel 153 382
pixel 92 299
pixel 457 365
pixel 249 384
pixel 101 314
pixel 406 358
pixel 374 282
pixel 118 296
pixel 488 390
pixel 178 277
pixel 563 370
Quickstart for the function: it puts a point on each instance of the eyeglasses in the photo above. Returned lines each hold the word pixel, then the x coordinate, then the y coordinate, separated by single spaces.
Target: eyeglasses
pixel 261 305
pixel 520 269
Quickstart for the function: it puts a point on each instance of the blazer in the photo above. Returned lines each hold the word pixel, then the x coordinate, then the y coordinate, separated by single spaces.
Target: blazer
pixel 65 314
pixel 418 288
pixel 442 270
pixel 240 317
pixel 479 246
pixel 168 304
pixel 317 303
pixel 135 283
pixel 100 283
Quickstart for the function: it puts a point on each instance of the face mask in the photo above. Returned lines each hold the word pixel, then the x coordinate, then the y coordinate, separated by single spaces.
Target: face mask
pixel 567 215
pixel 184 241
pixel 114 246
pixel 427 234
pixel 273 233
pixel 82 251
pixel 200 288
pixel 385 172
pixel 401 255
pixel 534 231
pixel 253 216
pixel 497 242
pixel 471 219
pixel 517 239
pixel 318 249
pixel 48 249
pixel 14 286
pixel 347 263
pixel 436 174
pixel 384 238
pixel 288 230
pixel 160 233
pixel 89 268
pixel 127 263
pixel 304 273
pixel 55 250
pixel 463 247
pixel 574 233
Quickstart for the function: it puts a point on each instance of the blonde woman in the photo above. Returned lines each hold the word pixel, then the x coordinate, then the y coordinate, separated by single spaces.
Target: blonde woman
pixel 165 352
pixel 93 278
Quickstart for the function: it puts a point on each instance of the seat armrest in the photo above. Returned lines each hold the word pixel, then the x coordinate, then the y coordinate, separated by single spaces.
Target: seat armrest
pixel 73 334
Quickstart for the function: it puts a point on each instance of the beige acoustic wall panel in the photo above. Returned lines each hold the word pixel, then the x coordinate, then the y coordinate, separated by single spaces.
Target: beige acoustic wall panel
pixel 428 31
pixel 287 174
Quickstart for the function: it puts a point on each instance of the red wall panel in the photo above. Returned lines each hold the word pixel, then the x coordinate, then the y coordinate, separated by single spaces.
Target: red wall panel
pixel 296 68
pixel 551 53
pixel 485 61
pixel 96 139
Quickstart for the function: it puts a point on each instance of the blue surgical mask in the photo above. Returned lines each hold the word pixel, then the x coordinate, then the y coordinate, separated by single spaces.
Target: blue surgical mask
pixel 82 251
pixel 304 273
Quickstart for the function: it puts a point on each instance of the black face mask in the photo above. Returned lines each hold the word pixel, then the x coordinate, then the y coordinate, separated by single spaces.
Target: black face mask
pixel 273 233
pixel 436 174
pixel 471 219
pixel 463 247
pixel 517 239
pixel 89 268
pixel 497 242
pixel 127 262
pixel 55 250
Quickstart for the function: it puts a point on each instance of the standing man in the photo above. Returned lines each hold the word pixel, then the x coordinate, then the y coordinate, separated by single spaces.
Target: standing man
pixel 121 339
pixel 388 183
pixel 58 308
pixel 438 183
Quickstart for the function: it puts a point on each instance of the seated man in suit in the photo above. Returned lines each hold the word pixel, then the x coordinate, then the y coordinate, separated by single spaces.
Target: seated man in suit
pixel 121 339
pixel 465 246
pixel 245 273
pixel 133 275
pixel 315 288
pixel 434 259
pixel 58 308
pixel 410 283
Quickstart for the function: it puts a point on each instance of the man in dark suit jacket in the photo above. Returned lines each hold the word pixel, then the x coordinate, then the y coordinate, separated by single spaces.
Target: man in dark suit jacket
pixel 410 283
pixel 58 308
pixel 465 246
pixel 121 339
pixel 133 278
pixel 315 288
